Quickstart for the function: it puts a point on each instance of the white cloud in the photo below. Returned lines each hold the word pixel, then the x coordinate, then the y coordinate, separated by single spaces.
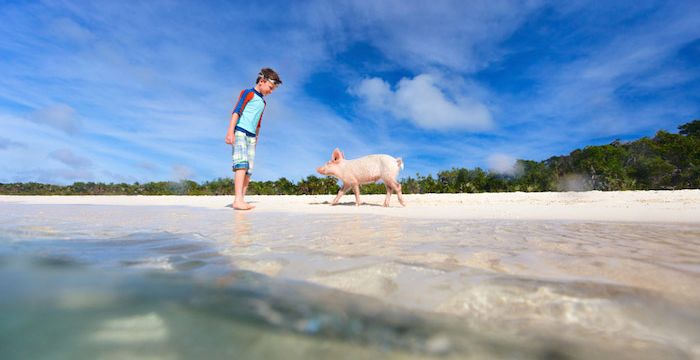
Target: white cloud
pixel 148 165
pixel 51 175
pixel 71 175
pixel 375 92
pixel 502 164
pixel 183 172
pixel 70 30
pixel 67 157
pixel 61 116
pixel 462 36
pixel 9 144
pixel 421 101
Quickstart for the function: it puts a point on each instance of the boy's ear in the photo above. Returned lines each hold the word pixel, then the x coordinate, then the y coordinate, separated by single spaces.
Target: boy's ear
pixel 337 155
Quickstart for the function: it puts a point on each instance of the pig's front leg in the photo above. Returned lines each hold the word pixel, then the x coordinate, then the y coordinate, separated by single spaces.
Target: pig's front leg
pixel 341 192
pixel 356 190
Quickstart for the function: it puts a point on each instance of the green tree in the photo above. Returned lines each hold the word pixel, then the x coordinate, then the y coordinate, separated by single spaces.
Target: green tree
pixel 690 129
pixel 220 186
pixel 533 176
pixel 314 185
pixel 284 186
pixel 604 165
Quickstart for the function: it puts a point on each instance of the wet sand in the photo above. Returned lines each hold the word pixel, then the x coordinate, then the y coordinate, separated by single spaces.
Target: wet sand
pixel 645 206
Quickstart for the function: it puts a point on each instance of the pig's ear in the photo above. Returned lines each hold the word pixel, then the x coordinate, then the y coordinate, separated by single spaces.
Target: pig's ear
pixel 337 155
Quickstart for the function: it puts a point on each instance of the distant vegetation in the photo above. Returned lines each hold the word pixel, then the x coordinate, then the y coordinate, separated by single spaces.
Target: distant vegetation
pixel 666 161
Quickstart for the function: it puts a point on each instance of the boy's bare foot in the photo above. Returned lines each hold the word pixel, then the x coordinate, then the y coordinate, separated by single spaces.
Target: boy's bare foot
pixel 242 206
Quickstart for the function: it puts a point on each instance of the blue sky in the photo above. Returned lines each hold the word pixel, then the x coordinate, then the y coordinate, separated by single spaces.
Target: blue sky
pixel 113 91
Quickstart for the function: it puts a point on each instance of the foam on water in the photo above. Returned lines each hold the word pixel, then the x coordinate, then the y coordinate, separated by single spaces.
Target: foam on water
pixel 398 287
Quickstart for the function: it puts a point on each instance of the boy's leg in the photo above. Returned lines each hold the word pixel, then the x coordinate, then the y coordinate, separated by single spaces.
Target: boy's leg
pixel 245 183
pixel 241 165
pixel 240 185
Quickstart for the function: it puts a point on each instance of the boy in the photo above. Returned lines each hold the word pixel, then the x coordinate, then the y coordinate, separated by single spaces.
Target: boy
pixel 243 131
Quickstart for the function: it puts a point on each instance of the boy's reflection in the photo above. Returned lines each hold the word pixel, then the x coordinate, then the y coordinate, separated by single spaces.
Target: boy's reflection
pixel 241 228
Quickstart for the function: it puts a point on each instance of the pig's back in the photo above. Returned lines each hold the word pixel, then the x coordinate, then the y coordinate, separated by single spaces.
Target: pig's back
pixel 371 168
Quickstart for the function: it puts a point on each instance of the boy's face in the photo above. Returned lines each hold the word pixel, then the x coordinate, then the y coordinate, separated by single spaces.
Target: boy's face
pixel 267 86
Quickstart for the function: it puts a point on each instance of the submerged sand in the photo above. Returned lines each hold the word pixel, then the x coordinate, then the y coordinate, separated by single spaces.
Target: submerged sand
pixel 607 266
pixel 643 239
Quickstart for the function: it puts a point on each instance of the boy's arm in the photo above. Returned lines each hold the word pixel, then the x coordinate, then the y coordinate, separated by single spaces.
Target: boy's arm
pixel 232 125
pixel 237 111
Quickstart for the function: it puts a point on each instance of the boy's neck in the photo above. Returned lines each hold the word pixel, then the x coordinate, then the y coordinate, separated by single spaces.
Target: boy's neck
pixel 257 88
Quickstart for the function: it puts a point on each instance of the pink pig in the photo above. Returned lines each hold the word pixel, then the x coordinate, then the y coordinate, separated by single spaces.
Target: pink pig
pixel 365 170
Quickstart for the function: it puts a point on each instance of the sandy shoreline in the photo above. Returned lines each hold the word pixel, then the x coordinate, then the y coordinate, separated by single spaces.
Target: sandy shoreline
pixel 645 206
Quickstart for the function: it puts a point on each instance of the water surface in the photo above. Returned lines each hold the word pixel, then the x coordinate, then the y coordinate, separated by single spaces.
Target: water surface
pixel 176 282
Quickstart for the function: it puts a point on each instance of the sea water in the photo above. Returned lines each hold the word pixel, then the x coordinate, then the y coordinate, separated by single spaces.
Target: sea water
pixel 87 282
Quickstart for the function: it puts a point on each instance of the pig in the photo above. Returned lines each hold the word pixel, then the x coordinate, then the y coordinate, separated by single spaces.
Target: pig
pixel 365 170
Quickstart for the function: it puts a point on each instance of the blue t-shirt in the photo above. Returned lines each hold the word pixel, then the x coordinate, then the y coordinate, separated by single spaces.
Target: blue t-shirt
pixel 250 107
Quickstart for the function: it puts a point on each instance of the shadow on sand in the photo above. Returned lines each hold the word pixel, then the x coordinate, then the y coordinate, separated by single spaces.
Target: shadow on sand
pixel 347 203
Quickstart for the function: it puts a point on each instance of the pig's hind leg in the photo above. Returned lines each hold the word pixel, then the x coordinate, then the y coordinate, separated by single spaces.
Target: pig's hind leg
pixel 396 186
pixel 356 190
pixel 388 195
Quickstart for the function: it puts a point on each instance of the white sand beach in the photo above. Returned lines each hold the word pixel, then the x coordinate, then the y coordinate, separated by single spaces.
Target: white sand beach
pixel 645 206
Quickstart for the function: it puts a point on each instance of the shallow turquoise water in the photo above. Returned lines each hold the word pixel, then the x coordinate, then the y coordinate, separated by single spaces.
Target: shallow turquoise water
pixel 176 283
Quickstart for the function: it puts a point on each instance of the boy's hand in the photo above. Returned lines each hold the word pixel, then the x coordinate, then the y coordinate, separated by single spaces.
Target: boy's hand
pixel 230 139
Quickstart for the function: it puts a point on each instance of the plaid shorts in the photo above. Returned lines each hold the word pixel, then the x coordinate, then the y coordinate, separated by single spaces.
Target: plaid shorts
pixel 243 152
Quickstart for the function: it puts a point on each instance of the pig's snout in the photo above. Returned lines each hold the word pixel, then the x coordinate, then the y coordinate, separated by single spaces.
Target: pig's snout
pixel 321 170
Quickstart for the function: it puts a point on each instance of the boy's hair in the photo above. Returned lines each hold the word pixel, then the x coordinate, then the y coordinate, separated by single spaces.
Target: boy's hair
pixel 269 74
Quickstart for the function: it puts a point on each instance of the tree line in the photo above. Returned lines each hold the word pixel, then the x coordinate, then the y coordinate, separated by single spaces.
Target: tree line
pixel 665 161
